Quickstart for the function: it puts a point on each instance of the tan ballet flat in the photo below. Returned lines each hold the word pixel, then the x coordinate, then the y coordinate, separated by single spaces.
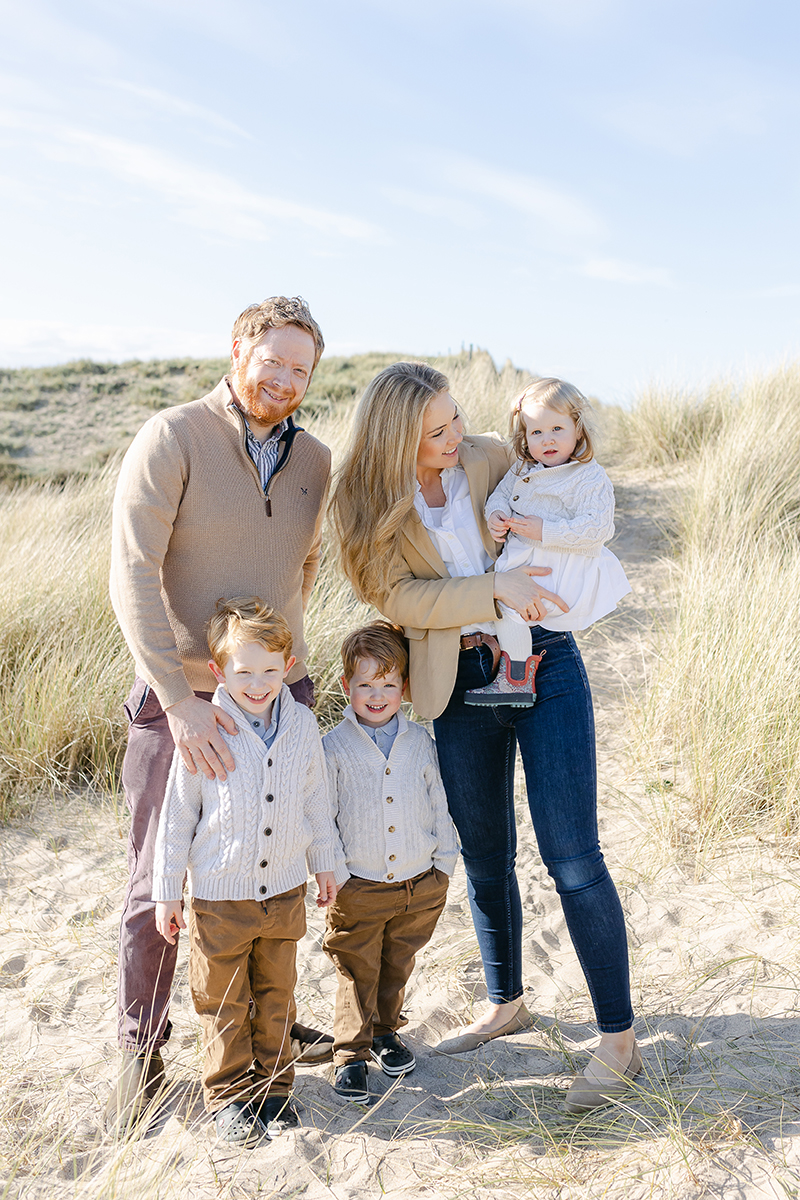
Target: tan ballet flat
pixel 584 1094
pixel 462 1043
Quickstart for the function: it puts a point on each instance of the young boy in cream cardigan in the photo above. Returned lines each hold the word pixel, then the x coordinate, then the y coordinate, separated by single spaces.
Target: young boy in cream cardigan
pixel 401 848
pixel 248 842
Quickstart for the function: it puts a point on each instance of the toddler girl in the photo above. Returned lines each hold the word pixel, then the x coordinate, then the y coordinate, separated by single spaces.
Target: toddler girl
pixel 554 508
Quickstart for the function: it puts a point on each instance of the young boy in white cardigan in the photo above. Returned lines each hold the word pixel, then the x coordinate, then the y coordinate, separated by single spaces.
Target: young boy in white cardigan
pixel 247 841
pixel 401 848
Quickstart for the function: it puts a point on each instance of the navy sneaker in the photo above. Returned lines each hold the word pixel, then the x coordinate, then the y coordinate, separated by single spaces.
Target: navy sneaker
pixel 351 1082
pixel 392 1056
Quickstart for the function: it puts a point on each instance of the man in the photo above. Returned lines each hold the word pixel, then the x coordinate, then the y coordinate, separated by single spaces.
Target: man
pixel 223 496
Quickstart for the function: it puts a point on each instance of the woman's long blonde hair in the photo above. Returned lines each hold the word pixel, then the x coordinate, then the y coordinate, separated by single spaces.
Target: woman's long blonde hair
pixel 373 494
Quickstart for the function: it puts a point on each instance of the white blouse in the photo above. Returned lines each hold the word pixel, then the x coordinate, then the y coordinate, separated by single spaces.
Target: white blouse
pixel 455 534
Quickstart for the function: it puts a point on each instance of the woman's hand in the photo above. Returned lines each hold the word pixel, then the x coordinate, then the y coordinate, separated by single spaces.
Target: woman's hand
pixel 527 527
pixel 520 591
pixel 497 524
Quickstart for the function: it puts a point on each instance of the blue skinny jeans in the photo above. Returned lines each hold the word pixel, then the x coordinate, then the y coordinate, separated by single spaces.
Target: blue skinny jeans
pixel 476 747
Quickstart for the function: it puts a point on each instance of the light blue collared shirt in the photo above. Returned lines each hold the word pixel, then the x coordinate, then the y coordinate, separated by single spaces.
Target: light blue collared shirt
pixel 384 736
pixel 270 732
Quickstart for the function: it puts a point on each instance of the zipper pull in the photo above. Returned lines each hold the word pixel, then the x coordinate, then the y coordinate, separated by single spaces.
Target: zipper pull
pixel 268 504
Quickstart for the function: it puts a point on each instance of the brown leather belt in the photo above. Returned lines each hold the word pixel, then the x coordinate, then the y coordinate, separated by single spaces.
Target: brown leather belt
pixel 471 641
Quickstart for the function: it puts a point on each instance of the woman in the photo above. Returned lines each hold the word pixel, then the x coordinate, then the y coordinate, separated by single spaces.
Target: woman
pixel 408 510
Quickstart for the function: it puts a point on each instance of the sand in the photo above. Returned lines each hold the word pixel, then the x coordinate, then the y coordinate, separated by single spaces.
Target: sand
pixel 715 977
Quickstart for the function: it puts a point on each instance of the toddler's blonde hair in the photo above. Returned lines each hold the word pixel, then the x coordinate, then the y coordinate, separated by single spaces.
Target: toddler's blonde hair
pixel 563 398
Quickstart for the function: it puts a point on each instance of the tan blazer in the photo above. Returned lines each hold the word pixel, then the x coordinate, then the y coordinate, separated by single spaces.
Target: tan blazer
pixel 432 606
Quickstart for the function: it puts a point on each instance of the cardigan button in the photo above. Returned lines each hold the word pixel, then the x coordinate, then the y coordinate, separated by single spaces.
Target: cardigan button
pixel 389 799
pixel 269 762
pixel 392 857
pixel 391 829
pixel 388 770
pixel 268 831
pixel 270 798
pixel 515 497
pixel 263 891
pixel 527 479
pixel 390 876
pixel 263 862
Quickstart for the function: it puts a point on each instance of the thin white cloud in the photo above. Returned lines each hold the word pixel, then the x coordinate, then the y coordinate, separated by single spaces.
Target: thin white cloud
pixel 203 198
pixel 698 105
pixel 778 292
pixel 457 212
pixel 40 342
pixel 39 28
pixel 167 103
pixel 536 198
pixel 616 270
pixel 572 15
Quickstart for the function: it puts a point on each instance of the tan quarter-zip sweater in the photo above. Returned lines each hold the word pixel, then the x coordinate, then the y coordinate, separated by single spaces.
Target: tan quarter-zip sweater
pixel 191 524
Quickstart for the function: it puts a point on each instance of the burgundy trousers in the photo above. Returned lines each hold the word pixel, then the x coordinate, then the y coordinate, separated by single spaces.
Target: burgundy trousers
pixel 146 962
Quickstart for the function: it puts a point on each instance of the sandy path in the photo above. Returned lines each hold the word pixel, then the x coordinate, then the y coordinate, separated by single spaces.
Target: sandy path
pixel 715 982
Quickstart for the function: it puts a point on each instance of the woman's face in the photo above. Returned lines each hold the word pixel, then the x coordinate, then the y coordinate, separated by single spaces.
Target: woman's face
pixel 441 435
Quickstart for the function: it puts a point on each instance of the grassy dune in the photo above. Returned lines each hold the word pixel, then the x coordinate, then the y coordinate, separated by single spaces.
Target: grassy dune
pixel 64 666
pixel 713 738
pixel 719 724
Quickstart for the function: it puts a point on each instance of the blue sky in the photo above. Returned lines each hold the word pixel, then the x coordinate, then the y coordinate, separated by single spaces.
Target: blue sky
pixel 607 190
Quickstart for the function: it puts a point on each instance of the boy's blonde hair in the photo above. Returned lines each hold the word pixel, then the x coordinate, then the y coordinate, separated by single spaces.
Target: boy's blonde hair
pixel 246 619
pixel 563 398
pixel 381 641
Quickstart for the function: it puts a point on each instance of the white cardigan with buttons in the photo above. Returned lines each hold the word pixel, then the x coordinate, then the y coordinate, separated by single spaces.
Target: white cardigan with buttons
pixel 253 835
pixel 392 813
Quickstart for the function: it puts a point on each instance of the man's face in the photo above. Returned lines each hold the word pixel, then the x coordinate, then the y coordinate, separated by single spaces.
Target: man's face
pixel 270 376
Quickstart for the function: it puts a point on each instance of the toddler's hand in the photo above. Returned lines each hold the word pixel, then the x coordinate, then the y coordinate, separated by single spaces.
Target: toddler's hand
pixel 169 919
pixel 327 888
pixel 498 526
pixel 527 527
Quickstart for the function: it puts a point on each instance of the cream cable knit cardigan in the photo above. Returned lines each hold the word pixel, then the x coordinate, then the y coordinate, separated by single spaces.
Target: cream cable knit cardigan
pixel 251 836
pixel 575 502
pixel 391 813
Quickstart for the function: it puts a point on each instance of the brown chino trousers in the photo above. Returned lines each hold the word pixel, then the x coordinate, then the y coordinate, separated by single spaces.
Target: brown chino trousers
pixel 239 949
pixel 374 932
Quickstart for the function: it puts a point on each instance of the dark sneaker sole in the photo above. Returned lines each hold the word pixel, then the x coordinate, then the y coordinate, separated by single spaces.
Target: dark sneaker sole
pixel 356 1097
pixel 394 1072
pixel 501 701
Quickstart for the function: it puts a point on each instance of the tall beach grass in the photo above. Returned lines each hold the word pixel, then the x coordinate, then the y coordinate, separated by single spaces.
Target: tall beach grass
pixel 721 712
pixel 64 666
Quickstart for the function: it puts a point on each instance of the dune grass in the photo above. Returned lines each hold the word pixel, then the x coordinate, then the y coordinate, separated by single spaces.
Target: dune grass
pixel 64 667
pixel 721 715
pixel 719 724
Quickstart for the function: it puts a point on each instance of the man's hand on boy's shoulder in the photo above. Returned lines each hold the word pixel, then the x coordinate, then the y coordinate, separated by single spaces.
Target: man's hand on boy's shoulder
pixel 169 919
pixel 326 882
pixel 193 724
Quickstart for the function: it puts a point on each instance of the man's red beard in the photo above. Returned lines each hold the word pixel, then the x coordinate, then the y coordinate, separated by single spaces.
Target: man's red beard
pixel 249 397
